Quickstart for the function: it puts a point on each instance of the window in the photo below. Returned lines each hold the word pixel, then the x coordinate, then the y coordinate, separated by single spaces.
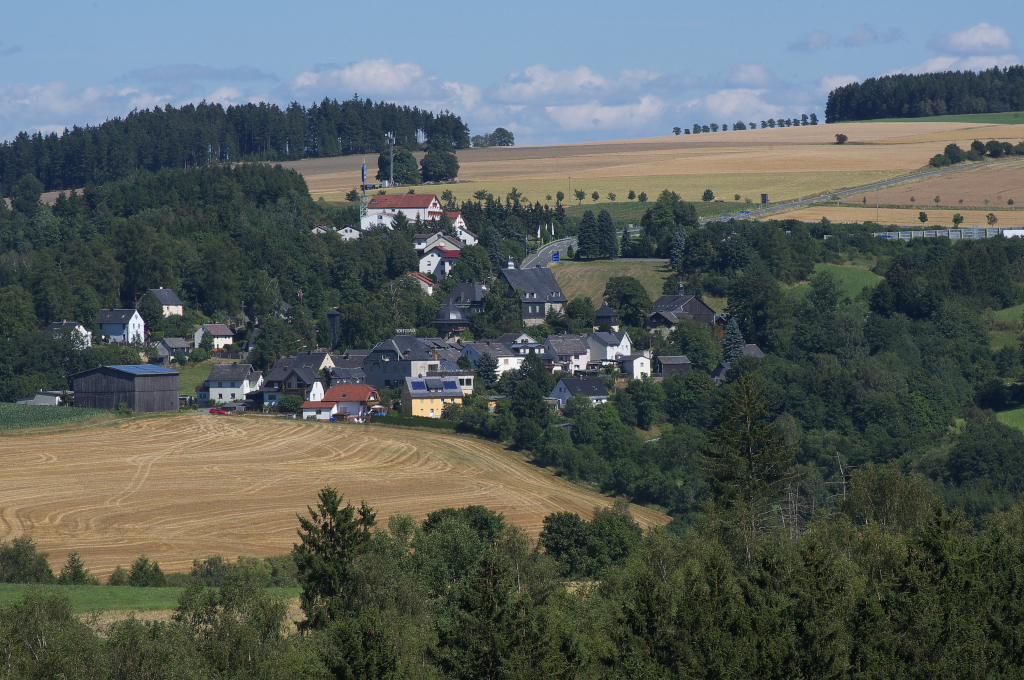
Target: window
pixel 220 384
pixel 506 362
pixel 232 395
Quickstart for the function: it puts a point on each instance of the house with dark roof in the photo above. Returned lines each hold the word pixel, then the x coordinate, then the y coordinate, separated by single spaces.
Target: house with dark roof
pixel 752 350
pixel 606 316
pixel 672 365
pixel 669 310
pixel 342 375
pixel 567 388
pixel 229 382
pixel 288 377
pixel 427 397
pixel 506 358
pixel 569 353
pixel 424 242
pixel 221 334
pixel 392 361
pixel 438 261
pixel 450 320
pixel 145 388
pixel 537 290
pixel 607 347
pixel 84 334
pixel 168 348
pixel 122 325
pixel 423 206
pixel 168 300
pixel 636 365
pixel 343 402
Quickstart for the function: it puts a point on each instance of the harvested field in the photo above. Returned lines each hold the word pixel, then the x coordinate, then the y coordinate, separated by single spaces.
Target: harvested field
pixel 906 217
pixel 993 182
pixel 582 279
pixel 783 162
pixel 190 486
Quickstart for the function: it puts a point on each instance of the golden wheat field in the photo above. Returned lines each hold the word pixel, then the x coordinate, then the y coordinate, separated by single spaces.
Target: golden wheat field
pixel 907 217
pixel 184 487
pixel 984 185
pixel 782 162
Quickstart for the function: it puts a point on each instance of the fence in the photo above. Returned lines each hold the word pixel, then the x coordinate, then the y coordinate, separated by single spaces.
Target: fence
pixel 966 234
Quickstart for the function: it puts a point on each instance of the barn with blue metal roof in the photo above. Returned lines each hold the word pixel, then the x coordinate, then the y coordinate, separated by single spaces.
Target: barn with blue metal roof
pixel 144 388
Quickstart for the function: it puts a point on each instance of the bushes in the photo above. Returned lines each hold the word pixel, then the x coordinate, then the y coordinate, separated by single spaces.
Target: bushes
pixel 20 563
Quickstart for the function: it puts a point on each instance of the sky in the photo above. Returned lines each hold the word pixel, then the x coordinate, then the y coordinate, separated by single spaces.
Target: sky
pixel 550 72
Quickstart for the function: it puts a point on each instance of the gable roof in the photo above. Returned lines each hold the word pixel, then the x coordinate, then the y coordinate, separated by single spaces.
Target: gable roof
pixel 351 392
pixel 589 387
pixel 567 344
pixel 605 312
pixel 349 372
pixel 218 330
pixel 140 369
pixel 407 347
pixel 230 372
pixel 467 293
pixel 433 387
pixel 174 343
pixel 166 297
pixel 515 338
pixel 445 252
pixel 423 278
pixel 674 360
pixel 495 348
pixel 752 350
pixel 61 325
pixel 121 316
pixel 609 339
pixel 449 312
pixel 539 280
pixel 400 201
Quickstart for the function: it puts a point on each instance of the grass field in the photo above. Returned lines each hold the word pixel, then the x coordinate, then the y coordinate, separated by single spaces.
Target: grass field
pixel 86 599
pixel 17 416
pixel 195 374
pixel 583 279
pixel 852 278
pixel 1014 418
pixel 191 486
pixel 1008 118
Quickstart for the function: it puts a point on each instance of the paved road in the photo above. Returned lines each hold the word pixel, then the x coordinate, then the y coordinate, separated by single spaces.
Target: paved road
pixel 846 192
pixel 543 256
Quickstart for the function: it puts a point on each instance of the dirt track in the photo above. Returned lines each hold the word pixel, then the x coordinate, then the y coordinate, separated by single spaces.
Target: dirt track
pixel 183 487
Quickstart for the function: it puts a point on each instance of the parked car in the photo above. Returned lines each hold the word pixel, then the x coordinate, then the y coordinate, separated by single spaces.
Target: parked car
pixel 219 411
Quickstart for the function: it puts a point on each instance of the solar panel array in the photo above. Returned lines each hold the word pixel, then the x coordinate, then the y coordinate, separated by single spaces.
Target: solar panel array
pixel 419 385
pixel 450 385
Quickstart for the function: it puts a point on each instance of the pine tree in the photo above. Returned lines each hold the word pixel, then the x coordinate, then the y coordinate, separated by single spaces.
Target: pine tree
pixel 626 247
pixel 678 251
pixel 608 246
pixel 487 369
pixel 733 340
pixel 588 238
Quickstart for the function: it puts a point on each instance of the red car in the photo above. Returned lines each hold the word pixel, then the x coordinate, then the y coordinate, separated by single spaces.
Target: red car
pixel 219 411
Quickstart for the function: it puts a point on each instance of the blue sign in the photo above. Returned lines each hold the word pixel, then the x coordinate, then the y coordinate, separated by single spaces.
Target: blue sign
pixel 554 256
pixel 364 173
pixel 744 212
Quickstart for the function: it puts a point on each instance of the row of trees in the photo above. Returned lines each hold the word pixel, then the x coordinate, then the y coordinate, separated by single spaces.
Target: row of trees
pixel 928 94
pixel 697 128
pixel 437 165
pixel 953 154
pixel 204 134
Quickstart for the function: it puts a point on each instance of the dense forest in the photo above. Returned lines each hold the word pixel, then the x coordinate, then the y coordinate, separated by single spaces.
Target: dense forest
pixel 928 94
pixel 193 136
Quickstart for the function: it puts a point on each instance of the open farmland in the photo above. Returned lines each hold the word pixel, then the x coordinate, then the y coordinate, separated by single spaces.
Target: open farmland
pixel 907 218
pixel 19 416
pixel 190 486
pixel 782 162
pixel 984 185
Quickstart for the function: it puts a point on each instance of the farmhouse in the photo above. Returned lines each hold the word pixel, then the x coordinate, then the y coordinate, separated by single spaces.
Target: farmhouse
pixel 122 325
pixel 591 388
pixel 343 401
pixel 229 382
pixel 169 301
pixel 426 207
pixel 538 292
pixel 84 334
pixel 427 397
pixel 222 335
pixel 145 388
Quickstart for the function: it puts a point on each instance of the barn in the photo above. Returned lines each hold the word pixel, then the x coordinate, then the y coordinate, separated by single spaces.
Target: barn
pixel 144 388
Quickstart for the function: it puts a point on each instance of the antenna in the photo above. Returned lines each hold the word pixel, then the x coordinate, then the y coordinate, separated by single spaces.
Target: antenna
pixel 391 144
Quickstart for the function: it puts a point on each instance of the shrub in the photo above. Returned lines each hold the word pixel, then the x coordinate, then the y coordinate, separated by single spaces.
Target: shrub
pixel 198 355
pixel 290 403
pixel 939 161
pixel 119 577
pixel 146 574
pixel 841 138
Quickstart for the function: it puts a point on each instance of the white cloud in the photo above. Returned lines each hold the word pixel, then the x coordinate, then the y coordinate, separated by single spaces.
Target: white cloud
pixel 541 82
pixel 863 34
pixel 596 116
pixel 829 83
pixel 467 96
pixel 950 63
pixel 742 102
pixel 812 42
pixel 981 39
pixel 750 74
pixel 375 76
pixel 227 96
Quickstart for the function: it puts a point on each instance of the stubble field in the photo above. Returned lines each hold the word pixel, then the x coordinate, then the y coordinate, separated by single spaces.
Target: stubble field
pixel 185 487
pixel 785 163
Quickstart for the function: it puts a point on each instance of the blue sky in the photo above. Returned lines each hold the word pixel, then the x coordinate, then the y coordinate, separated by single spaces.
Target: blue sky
pixel 550 72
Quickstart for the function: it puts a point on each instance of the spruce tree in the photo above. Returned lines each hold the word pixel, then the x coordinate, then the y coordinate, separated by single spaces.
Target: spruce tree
pixel 625 249
pixel 733 340
pixel 588 237
pixel 678 251
pixel 606 234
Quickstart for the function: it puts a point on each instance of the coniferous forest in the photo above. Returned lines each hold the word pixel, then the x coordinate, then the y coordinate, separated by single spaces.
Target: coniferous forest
pixel 996 90
pixel 193 136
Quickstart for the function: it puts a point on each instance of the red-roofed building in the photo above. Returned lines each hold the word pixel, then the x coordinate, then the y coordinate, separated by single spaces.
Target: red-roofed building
pixel 424 206
pixel 465 235
pixel 438 261
pixel 348 402
pixel 426 284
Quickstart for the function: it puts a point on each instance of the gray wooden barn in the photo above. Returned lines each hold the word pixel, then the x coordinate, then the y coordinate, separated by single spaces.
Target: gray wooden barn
pixel 144 388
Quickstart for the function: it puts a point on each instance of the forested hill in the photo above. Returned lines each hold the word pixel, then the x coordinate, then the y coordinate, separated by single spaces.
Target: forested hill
pixel 192 136
pixel 929 94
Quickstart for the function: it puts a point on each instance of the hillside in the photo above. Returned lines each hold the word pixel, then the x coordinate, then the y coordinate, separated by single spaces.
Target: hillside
pixel 187 487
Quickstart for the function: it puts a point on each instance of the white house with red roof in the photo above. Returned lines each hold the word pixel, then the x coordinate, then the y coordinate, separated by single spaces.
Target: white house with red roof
pixel 424 242
pixel 465 235
pixel 352 402
pixel 424 206
pixel 426 284
pixel 438 261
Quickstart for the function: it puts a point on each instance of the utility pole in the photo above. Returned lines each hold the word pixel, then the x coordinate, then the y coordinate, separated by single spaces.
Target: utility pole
pixel 391 145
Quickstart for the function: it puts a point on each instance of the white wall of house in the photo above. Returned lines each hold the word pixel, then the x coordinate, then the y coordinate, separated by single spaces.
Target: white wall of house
pixel 385 219
pixel 348 233
pixel 319 412
pixel 219 341
pixel 432 262
pixel 504 363
pixel 133 331
pixel 638 367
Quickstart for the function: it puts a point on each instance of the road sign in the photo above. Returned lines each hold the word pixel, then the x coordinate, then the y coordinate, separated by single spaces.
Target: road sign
pixel 364 173
pixel 764 199
pixel 554 256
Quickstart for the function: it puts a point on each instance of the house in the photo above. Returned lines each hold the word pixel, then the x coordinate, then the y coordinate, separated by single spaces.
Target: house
pixel 169 301
pixel 229 382
pixel 567 388
pixel 43 398
pixel 342 402
pixel 636 365
pixel 221 334
pixel 423 242
pixel 450 371
pixel 122 325
pixel 438 261
pixel 318 361
pixel 669 310
pixel 382 219
pixel 84 334
pixel 348 233
pixel 319 229
pixel 466 299
pixel 168 348
pixel 506 358
pixel 569 353
pixel 426 207
pixel 606 316
pixel 752 350
pixel 465 235
pixel 718 375
pixel 427 397
pixel 345 376
pixel 672 365
pixel 426 284
pixel 144 388
pixel 520 343
pixel 392 361
pixel 606 348
pixel 287 378
pixel 450 320
pixel 537 290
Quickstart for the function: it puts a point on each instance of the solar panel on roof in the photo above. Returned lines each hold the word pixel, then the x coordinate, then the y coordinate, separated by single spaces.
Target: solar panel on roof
pixel 419 386
pixel 449 385
pixel 144 369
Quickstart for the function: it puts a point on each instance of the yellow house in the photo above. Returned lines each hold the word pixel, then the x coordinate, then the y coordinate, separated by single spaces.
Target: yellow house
pixel 427 397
